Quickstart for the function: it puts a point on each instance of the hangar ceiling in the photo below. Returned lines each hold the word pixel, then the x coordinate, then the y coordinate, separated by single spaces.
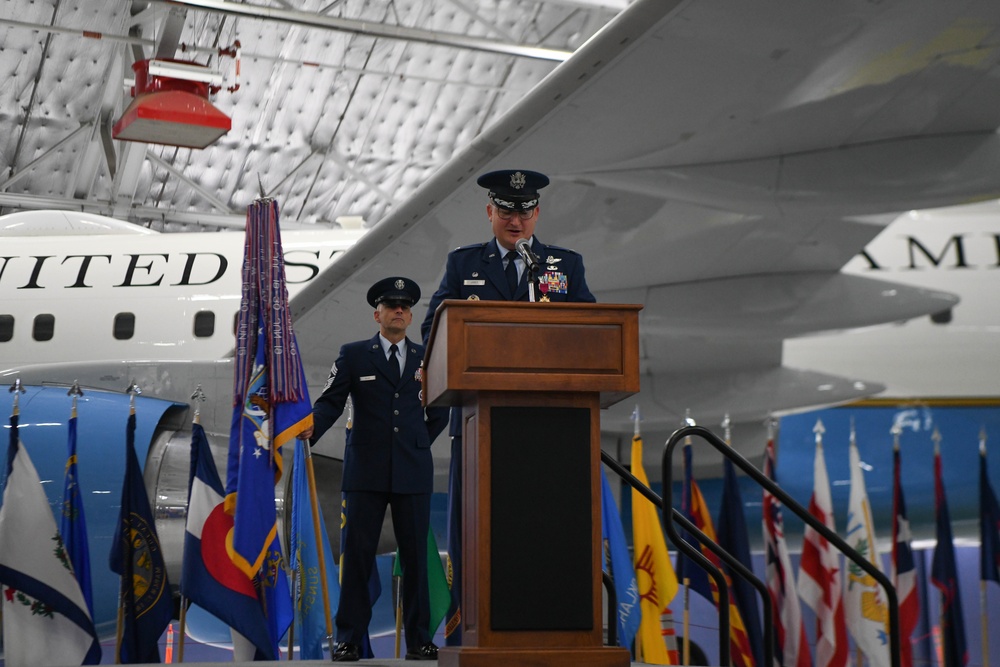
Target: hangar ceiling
pixel 339 108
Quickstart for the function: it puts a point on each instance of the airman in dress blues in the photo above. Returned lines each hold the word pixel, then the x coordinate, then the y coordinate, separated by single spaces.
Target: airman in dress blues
pixel 482 271
pixel 387 462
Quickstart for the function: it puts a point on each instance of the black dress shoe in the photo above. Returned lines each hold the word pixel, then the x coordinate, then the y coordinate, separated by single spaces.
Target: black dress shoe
pixel 347 652
pixel 425 652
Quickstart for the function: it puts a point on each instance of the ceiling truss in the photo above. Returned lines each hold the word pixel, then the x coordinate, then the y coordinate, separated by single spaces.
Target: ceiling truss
pixel 341 109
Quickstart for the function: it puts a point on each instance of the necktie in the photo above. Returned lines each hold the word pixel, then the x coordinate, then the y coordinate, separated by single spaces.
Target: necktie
pixel 394 363
pixel 511 272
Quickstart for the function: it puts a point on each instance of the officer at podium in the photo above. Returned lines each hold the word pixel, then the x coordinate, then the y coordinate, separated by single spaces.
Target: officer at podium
pixel 495 271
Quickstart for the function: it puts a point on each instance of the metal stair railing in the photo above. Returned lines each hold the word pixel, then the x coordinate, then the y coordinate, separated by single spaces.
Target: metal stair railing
pixel 817 525
pixel 704 563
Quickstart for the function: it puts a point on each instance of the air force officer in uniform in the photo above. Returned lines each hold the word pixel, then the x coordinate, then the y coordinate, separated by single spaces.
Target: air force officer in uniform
pixel 387 462
pixel 494 271
pixel 484 270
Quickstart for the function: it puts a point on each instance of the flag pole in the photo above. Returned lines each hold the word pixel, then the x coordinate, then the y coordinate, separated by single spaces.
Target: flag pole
pixel 321 557
pixel 399 610
pixel 635 434
pixel 942 618
pixel 686 646
pixel 983 610
pixel 984 623
pixel 198 397
pixel 181 630
pixel 131 390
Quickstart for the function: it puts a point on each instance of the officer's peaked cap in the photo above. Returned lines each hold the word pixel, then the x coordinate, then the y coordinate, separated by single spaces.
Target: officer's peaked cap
pixel 514 189
pixel 394 288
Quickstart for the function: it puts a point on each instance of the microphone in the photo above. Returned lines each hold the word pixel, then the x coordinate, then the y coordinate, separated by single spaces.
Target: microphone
pixel 523 249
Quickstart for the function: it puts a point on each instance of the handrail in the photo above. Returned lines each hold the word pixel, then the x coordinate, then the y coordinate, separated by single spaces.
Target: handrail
pixel 722 554
pixel 609 586
pixel 789 502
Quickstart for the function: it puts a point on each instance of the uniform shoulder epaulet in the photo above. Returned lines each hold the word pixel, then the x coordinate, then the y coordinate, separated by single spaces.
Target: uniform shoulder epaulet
pixel 474 246
pixel 561 249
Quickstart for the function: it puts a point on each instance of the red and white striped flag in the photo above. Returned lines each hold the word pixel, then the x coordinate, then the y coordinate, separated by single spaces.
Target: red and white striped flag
pixel 904 574
pixel 820 581
pixel 792 649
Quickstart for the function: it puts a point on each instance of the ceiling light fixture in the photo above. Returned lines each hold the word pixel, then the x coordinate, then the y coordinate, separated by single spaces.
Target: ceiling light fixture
pixel 170 106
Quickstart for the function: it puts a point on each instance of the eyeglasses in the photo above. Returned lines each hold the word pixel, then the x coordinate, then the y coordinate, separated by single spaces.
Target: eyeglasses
pixel 507 214
pixel 393 304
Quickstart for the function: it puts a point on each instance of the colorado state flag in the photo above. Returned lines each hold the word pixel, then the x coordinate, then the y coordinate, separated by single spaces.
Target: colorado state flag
pixel 209 578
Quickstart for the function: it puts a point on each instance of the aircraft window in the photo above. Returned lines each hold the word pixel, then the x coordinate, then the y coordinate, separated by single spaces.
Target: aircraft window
pixel 204 324
pixel 124 326
pixel 45 326
pixel 6 328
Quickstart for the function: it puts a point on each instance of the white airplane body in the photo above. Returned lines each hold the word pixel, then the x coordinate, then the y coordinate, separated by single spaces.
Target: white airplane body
pixel 954 250
pixel 85 278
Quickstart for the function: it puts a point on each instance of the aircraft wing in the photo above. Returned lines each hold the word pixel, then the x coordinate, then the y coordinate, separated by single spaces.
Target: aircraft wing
pixel 719 163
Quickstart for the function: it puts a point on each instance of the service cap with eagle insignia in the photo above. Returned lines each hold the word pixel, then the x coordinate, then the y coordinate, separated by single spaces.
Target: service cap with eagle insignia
pixel 514 189
pixel 394 288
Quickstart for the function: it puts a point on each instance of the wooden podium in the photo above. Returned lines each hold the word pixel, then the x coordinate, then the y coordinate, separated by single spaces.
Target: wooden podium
pixel 531 379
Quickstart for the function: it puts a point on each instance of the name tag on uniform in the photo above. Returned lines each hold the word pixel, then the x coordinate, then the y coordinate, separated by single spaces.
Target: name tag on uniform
pixel 475 282
pixel 366 378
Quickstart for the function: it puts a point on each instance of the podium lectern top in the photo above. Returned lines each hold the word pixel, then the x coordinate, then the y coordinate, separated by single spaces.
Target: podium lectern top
pixel 519 346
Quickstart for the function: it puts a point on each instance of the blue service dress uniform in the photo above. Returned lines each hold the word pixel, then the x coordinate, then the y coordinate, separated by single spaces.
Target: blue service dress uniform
pixel 387 461
pixel 476 272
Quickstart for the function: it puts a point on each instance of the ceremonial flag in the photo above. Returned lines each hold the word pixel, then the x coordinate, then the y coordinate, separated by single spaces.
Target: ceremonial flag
pixel 453 618
pixel 820 584
pixel 136 556
pixel 74 522
pixel 989 522
pixel 694 506
pixel 622 572
pixel 209 578
pixel 791 649
pixel 694 509
pixel 944 575
pixel 864 600
pixel 733 538
pixel 276 593
pixel 437 582
pixel 255 463
pixel 657 581
pixel 271 400
pixel 904 573
pixel 271 408
pixel 45 616
pixel 310 617
pixel 255 466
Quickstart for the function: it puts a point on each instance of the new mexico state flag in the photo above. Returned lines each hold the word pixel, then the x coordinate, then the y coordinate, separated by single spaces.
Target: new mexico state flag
pixel 653 570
